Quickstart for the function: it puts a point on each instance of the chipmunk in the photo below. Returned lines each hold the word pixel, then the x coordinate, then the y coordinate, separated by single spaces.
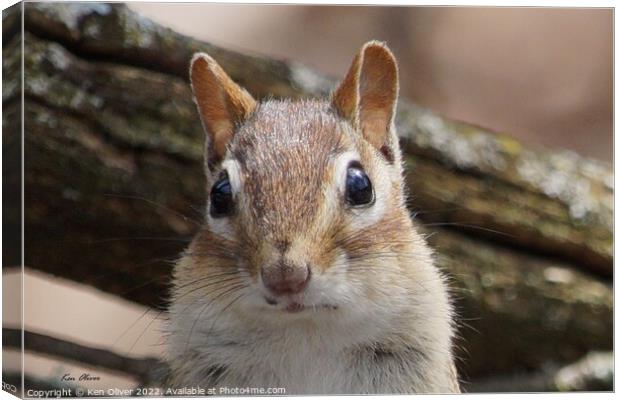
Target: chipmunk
pixel 308 274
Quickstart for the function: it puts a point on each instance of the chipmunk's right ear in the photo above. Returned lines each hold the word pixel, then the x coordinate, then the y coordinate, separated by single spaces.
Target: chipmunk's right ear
pixel 222 105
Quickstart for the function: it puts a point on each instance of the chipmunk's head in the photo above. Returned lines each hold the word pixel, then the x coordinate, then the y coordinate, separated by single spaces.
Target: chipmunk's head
pixel 306 207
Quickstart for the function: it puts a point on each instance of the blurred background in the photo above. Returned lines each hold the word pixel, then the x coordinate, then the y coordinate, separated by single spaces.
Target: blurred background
pixel 114 182
pixel 543 75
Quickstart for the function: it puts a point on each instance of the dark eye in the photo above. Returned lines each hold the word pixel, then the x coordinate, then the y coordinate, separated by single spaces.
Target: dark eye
pixel 221 197
pixel 359 189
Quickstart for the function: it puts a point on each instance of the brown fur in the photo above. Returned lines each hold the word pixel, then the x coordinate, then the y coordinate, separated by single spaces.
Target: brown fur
pixel 274 149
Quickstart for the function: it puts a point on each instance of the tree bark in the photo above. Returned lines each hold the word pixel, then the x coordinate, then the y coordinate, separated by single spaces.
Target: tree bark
pixel 594 372
pixel 114 184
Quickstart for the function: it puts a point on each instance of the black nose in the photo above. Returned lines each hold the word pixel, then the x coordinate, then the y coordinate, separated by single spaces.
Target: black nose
pixel 284 278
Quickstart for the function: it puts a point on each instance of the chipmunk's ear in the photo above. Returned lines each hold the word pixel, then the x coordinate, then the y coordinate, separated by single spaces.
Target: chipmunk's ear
pixel 367 95
pixel 222 105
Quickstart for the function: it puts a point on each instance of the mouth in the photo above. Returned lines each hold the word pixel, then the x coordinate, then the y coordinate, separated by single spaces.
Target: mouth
pixel 293 307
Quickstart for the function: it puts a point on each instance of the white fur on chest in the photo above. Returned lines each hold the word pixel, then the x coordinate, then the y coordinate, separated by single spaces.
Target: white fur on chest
pixel 302 368
pixel 303 358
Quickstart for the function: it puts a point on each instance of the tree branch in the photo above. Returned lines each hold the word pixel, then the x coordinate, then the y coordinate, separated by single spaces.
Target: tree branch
pixel 145 369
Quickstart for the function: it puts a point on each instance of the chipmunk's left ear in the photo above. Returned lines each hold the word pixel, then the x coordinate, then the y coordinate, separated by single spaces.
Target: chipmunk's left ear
pixel 367 96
